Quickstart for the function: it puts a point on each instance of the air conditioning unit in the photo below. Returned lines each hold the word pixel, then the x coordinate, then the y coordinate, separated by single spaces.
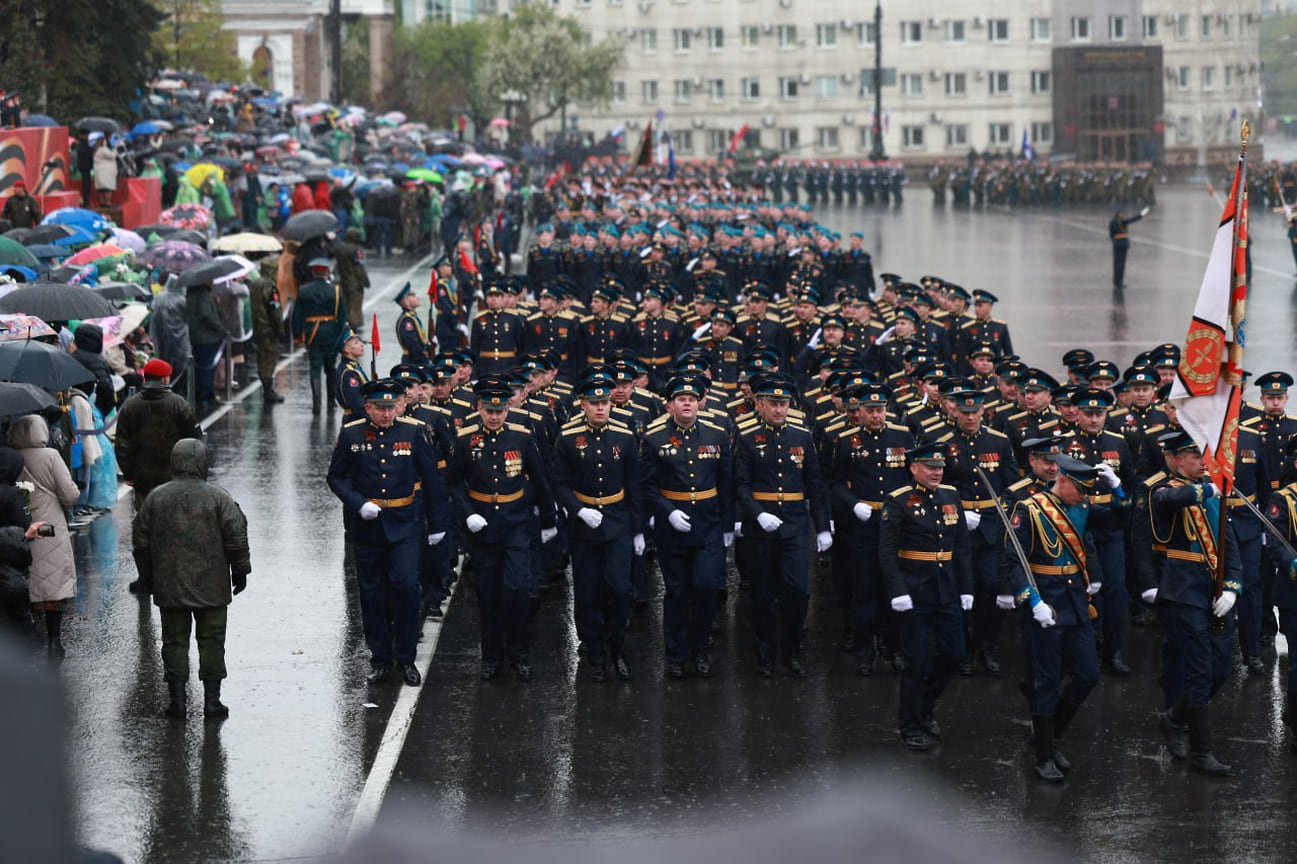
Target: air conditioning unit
pixel 630 32
pixel 979 23
pixel 804 78
pixel 767 28
pixel 698 122
pixel 645 6
pixel 847 25
pixel 934 117
pixel 697 81
pixel 1170 19
pixel 698 31
pixel 848 119
pixel 934 23
pixel 934 75
pixel 768 120
pixel 1170 74
pixel 847 78
pixel 979 75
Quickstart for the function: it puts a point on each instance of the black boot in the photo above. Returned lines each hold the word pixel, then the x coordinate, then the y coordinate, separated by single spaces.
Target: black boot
pixel 1063 715
pixel 268 393
pixel 316 403
pixel 212 705
pixel 176 703
pixel 1203 760
pixel 54 636
pixel 1042 727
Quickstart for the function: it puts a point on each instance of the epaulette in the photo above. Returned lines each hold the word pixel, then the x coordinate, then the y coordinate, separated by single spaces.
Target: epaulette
pixel 947 486
pixel 1021 484
pixel 902 490
pixel 996 433
pixel 1013 417
pixel 465 430
pixel 944 438
pixel 836 425
pixel 518 427
pixel 411 421
pixel 463 402
pixel 657 423
pixel 1251 421
pixel 896 426
pixel 1154 479
pixel 356 422
pixel 710 425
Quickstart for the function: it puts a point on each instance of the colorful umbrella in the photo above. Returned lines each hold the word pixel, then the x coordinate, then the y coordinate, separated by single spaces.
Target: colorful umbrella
pixel 247 242
pixel 129 240
pixel 117 327
pixel 74 237
pixel 77 217
pixel 426 174
pixel 13 252
pixel 174 255
pixel 23 326
pixel 195 217
pixel 91 254
pixel 199 174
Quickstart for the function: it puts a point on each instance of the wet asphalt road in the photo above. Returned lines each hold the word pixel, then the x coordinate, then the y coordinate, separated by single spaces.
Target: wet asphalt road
pixel 281 778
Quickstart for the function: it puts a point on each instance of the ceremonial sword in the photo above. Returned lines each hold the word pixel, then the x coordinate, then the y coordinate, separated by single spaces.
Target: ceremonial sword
pixel 1013 537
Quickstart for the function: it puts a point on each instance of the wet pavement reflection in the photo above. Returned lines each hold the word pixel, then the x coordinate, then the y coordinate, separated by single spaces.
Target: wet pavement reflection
pixel 280 779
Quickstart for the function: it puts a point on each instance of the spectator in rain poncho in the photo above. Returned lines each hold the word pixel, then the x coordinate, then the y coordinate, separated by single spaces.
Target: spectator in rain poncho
pixel 169 331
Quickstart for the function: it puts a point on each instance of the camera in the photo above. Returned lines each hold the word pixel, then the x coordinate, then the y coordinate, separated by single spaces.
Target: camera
pixel 45 531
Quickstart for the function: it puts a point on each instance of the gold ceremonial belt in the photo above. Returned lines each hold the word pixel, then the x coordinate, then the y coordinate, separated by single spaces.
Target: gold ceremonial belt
pixel 498 355
pixel 700 495
pixel 385 503
pixel 778 497
pixel 911 555
pixel 1055 570
pixel 314 319
pixel 1234 502
pixel 656 361
pixel 495 497
pixel 1179 554
pixel 978 504
pixel 1106 498
pixel 600 500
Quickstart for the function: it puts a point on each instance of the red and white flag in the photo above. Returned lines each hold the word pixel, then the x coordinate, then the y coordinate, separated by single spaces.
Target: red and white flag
pixel 1208 387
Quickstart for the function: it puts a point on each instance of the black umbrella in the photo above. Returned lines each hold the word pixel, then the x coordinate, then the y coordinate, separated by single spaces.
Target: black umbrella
pixel 28 362
pixel 17 399
pixel 40 234
pixel 309 225
pixel 209 271
pixel 184 235
pixel 52 301
pixel 163 231
pixel 122 291
pixel 106 125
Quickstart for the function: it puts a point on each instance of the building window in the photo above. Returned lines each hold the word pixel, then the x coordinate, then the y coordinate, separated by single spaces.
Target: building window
pixel 1041 81
pixel 1042 133
pixel 787 35
pixel 1208 77
pixel 911 84
pixel 866 34
pixel 1080 28
pixel 648 91
pixel 957 136
pixel 716 89
pixel 1041 29
pixel 826 35
pixel 683 140
pixel 749 36
pixel 1206 27
pixel 954 30
pixel 680 40
pixel 1182 78
pixel 867 137
pixel 1117 28
pixel 715 39
pixel 1229 75
pixel 1182 27
pixel 788 87
pixel 826 87
pixel 956 84
pixel 789 139
pixel 912 137
pixel 683 88
pixel 826 138
pixel 1224 26
pixel 997 30
pixel 1001 133
pixel 999 83
pixel 718 140
pixel 1150 27
pixel 648 40
pixel 618 92
pixel 750 88
pixel 911 32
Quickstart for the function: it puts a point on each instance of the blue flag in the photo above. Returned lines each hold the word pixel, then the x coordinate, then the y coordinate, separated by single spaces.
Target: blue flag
pixel 1027 152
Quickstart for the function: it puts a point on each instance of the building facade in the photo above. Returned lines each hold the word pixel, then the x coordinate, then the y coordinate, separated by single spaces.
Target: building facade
pixel 1105 80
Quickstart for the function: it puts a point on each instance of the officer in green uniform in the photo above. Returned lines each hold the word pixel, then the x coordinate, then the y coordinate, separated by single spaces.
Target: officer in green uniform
pixel 317 321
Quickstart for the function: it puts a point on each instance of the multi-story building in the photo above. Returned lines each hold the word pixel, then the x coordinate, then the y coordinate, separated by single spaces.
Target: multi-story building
pixel 1119 80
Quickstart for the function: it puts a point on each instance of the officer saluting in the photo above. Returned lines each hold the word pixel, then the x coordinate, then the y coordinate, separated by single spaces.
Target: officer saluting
pixel 686 470
pixel 1051 530
pixel 384 470
pixel 923 543
pixel 595 474
pixel 780 490
pixel 497 477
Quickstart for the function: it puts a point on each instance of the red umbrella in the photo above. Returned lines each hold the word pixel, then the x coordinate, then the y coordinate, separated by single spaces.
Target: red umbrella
pixel 93 253
pixel 194 217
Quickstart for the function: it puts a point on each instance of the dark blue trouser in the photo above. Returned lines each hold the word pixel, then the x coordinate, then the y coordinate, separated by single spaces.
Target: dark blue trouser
pixel 1195 661
pixel 780 572
pixel 434 570
pixel 601 594
pixel 1288 624
pixel 1250 601
pixel 986 618
pixel 502 571
pixel 1050 650
pixel 1113 601
pixel 925 677
pixel 205 372
pixel 693 577
pixel 870 615
pixel 387 582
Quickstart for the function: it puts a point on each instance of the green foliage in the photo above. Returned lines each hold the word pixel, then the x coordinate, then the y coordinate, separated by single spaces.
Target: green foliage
pixel 1279 61
pixel 355 63
pixel 191 38
pixel 433 70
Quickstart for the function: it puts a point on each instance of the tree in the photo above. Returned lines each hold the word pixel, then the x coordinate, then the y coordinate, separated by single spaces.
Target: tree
pixel 546 60
pixel 433 70
pixel 192 39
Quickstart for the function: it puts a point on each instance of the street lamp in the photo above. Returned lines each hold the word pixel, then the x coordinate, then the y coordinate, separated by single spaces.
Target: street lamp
pixel 878 154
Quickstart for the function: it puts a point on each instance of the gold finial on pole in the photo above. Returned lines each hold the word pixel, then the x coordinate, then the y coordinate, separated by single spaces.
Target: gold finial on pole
pixel 1246 132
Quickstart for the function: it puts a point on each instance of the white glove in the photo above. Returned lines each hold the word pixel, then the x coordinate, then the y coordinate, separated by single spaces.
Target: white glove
pixel 1209 489
pixel 590 516
pixel 701 331
pixel 815 338
pixel 1225 602
pixel 904 603
pixel 1004 601
pixel 823 541
pixel 863 511
pixel 434 539
pixel 1144 212
pixel 885 336
pixel 474 523
pixel 728 539
pixel 637 544
pixel 1043 614
pixel 966 602
pixel 1149 596
pixel 738 529
pixel 769 522
pixel 1093 588
pixel 1106 472
pixel 463 328
pixel 679 520
pixel 972 519
pixel 369 510
pixel 1263 538
pixel 548 534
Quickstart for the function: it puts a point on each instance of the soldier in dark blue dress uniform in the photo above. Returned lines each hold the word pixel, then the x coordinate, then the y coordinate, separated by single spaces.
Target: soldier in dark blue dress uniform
pixel 687 471
pixel 351 375
pixel 1064 575
pixel 317 320
pixel 497 477
pixel 384 470
pixel 496 337
pixel 1276 429
pixel 410 332
pixel 595 476
pixel 1282 512
pixel 923 549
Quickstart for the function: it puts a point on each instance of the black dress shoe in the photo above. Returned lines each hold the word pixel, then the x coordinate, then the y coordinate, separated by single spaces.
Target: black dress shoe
pixel 379 674
pixel 1064 764
pixel 622 668
pixel 597 673
pixel 1206 763
pixel 797 667
pixel 931 725
pixel 675 669
pixel 849 644
pixel 1048 770
pixel 916 741
pixel 865 664
pixel 991 662
pixel 523 668
pixel 1177 738
pixel 703 666
pixel 1254 665
pixel 1116 664
pixel 138 587
pixel 898 663
pixel 966 667
pixel 766 670
pixel 435 613
pixel 410 674
pixel 488 671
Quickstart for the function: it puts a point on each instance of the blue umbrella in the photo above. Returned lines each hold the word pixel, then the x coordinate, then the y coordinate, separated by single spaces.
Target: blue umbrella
pixel 147 127
pixel 263 102
pixel 40 120
pixel 77 217
pixel 47 251
pixel 78 237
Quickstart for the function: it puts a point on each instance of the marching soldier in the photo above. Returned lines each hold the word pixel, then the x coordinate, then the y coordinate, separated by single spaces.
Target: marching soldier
pixel 351 375
pixel 656 336
pixel 316 320
pixel 497 333
pixel 1276 430
pixel 410 332
pixel 923 550
pixel 1282 513
pixel 448 298
pixel 1037 419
